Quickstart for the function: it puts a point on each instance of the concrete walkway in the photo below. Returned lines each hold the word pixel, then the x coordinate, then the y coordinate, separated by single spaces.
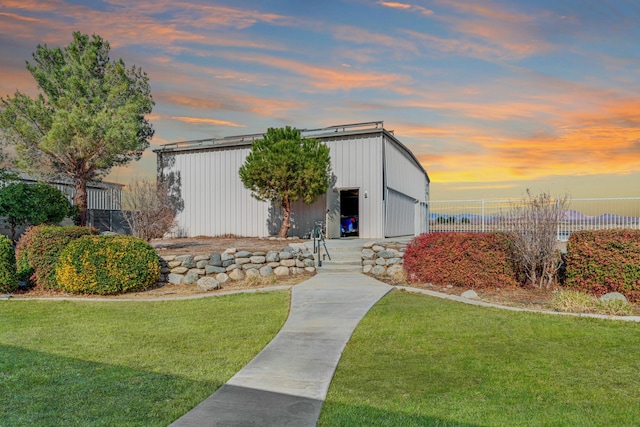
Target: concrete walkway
pixel 286 384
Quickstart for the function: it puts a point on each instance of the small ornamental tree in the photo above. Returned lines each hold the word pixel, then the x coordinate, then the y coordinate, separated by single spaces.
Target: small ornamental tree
pixel 32 204
pixel 88 118
pixel 283 167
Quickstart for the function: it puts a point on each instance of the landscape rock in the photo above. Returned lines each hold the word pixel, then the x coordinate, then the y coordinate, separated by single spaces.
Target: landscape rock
pixel 378 270
pixel 266 271
pixel 236 274
pixel 215 259
pixel 198 271
pixel 190 278
pixel 179 270
pixel 272 256
pixel 183 258
pixel 281 271
pixel 175 279
pixel 173 264
pixel 222 278
pixel 258 259
pixel 243 254
pixel 202 263
pixel 381 261
pixel 252 272
pixel 310 269
pixel 377 248
pixel 368 245
pixel 612 296
pixel 367 254
pixel 168 257
pixel 242 260
pixel 367 269
pixel 229 251
pixel 201 258
pixel 470 294
pixel 227 256
pixel 208 284
pixel 212 269
pixel 288 262
pixel 385 254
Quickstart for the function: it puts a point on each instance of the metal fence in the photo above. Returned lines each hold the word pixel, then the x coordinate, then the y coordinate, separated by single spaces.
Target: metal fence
pixel 108 220
pixel 497 215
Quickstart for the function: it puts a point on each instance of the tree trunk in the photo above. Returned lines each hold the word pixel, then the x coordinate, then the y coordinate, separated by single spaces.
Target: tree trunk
pixel 80 200
pixel 286 215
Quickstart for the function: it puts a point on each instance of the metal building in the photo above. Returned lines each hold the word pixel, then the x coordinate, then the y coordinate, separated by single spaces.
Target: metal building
pixel 379 189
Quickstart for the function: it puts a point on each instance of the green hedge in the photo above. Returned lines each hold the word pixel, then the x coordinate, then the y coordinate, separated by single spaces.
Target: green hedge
pixel 604 261
pixel 472 260
pixel 8 276
pixel 38 250
pixel 107 265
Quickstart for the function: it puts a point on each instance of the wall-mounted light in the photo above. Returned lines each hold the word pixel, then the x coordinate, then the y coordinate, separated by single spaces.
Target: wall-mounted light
pixel 366 194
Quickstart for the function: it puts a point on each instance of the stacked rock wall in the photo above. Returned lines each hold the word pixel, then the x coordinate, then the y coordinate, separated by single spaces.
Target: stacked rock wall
pixel 211 271
pixel 382 258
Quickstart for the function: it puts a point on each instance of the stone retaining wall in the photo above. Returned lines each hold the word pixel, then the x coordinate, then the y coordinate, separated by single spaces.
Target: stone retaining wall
pixel 382 258
pixel 211 271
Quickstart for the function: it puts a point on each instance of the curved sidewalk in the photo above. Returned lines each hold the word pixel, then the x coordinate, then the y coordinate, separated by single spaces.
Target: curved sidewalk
pixel 287 382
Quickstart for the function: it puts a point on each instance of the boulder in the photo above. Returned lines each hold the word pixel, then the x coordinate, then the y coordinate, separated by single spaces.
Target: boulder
pixel 236 274
pixel 175 279
pixel 368 262
pixel 250 266
pixel 368 245
pixel 183 258
pixel 285 255
pixel 470 294
pixel 385 254
pixel 208 284
pixel 179 270
pixel 215 259
pixel 377 248
pixel 233 267
pixel 243 254
pixel 391 261
pixel 168 257
pixel 310 269
pixel 367 269
pixel 259 253
pixel 242 260
pixel 612 296
pixel 226 257
pixel 212 269
pixel 266 271
pixel 202 263
pixel 173 264
pixel 222 278
pixel 281 271
pixel 381 261
pixel 201 258
pixel 198 271
pixel 367 254
pixel 229 251
pixel 288 262
pixel 258 259
pixel 378 270
pixel 190 278
pixel 252 272
pixel 309 262
pixel 296 270
pixel 272 256
pixel 228 262
pixel 189 263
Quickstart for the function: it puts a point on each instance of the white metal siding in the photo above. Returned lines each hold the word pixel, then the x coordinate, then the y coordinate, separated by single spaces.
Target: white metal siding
pixel 403 175
pixel 215 201
pixel 356 162
pixel 400 218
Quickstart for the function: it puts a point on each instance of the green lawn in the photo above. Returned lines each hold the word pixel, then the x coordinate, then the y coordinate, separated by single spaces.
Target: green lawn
pixel 71 363
pixel 421 361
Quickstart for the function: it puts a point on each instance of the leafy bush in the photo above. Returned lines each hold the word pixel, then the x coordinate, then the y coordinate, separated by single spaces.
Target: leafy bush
pixel 38 250
pixel 474 260
pixel 8 276
pixel 33 204
pixel 604 261
pixel 107 265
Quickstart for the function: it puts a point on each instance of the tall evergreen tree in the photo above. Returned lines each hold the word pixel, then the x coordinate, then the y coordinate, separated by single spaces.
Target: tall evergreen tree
pixel 88 118
pixel 283 167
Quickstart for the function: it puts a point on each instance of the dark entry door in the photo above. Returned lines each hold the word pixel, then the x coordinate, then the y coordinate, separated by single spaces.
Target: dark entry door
pixel 349 213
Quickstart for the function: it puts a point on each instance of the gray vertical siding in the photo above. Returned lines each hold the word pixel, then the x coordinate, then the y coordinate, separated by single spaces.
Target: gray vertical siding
pixel 400 215
pixel 356 162
pixel 406 188
pixel 215 201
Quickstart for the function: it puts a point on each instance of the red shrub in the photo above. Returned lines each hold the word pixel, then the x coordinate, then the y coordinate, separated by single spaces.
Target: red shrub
pixel 604 261
pixel 472 260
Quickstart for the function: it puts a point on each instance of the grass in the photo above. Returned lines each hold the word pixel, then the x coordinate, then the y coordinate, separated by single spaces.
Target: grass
pixel 420 361
pixel 72 363
pixel 578 302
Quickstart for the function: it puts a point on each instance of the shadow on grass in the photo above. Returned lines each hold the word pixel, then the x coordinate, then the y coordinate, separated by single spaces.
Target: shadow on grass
pixel 339 414
pixel 43 389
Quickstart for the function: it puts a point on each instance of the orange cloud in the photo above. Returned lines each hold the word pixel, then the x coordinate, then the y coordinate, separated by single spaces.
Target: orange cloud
pixel 322 78
pixel 202 120
pixel 405 6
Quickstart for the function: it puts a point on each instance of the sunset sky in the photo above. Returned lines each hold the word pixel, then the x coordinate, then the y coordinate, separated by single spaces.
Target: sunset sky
pixel 493 97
